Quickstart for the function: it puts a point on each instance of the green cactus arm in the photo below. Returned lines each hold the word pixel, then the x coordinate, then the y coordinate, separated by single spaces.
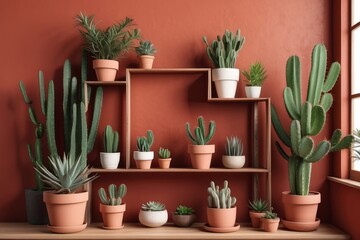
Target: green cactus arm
pixel 211 132
pixel 281 151
pixel 67 104
pixel 303 178
pixel 292 172
pixel 150 138
pixel 42 93
pixel 32 116
pixel 335 137
pixel 189 134
pixel 50 121
pixel 293 81
pixel 39 161
pixel 321 151
pixel 295 136
pixel 332 76
pixel 24 94
pixel 115 145
pixel 95 119
pixel 306 147
pixel 201 125
pixel 290 105
pixel 103 196
pixel 326 101
pixel 122 190
pixel 84 137
pixel 280 131
pixel 210 202
pixel 305 119
pixel 112 191
pixel 344 143
pixel 199 136
pixel 73 141
pixel 109 138
pixel 317 120
pixel 222 199
pixel 233 201
pixel 84 66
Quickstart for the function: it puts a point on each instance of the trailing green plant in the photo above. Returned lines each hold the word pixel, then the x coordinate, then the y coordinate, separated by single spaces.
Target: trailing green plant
pixel 115 194
pixel 153 206
pixel 145 48
pixel 233 146
pixel 220 198
pixel 184 210
pixel 200 137
pixel 108 43
pixel 164 153
pixel 67 175
pixel 258 205
pixel 256 74
pixel 224 50
pixel 144 143
pixel 270 214
pixel 307 119
pixel 110 140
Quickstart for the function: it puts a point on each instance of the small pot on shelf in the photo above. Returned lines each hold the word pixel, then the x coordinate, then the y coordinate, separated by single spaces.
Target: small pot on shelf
pixel 257 211
pixel 143 156
pixel 110 158
pixel 153 214
pixel 270 221
pixel 164 158
pixel 145 51
pixel 183 216
pixel 255 77
pixel 233 157
pixel 105 69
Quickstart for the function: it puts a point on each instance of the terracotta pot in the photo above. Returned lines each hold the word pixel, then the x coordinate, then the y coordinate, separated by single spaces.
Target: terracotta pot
pixel 164 162
pixel 66 210
pixel 270 225
pixel 105 69
pixel 256 218
pixel 153 218
pixel 143 159
pixel 183 220
pixel 225 80
pixel 300 208
pixel 35 207
pixel 110 160
pixel 252 91
pixel 233 161
pixel 221 217
pixel 146 61
pixel 201 155
pixel 112 215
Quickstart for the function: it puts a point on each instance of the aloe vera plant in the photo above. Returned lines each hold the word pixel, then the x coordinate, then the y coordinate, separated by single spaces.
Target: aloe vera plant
pixel 308 118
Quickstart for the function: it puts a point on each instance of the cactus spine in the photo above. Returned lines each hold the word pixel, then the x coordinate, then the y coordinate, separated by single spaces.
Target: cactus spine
pixel 110 140
pixel 220 198
pixel 200 137
pixel 308 119
pixel 115 194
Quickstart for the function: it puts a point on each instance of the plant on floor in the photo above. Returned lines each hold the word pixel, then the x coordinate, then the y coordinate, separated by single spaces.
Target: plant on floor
pixel 307 119
pixel 110 140
pixel 184 210
pixel 258 205
pixel 233 146
pixel 164 153
pixel 144 143
pixel 220 198
pixel 256 74
pixel 115 194
pixel 200 137
pixel 153 206
pixel 145 48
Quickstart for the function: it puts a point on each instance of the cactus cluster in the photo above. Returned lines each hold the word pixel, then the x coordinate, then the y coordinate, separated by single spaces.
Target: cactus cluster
pixel 110 140
pixel 164 153
pixel 153 206
pixel 224 50
pixel 144 143
pixel 116 194
pixel 145 48
pixel 200 137
pixel 220 198
pixel 308 119
pixel 233 146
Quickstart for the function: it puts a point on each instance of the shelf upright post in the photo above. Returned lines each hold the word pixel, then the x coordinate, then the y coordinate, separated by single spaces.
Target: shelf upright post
pixel 255 148
pixel 128 118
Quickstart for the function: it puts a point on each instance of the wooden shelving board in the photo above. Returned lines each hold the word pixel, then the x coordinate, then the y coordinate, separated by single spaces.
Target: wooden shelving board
pixel 22 231
pixel 180 170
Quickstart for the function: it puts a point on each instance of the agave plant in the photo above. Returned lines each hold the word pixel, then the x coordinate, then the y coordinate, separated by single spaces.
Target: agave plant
pixel 67 175
pixel 153 206
pixel 145 48
pixel 258 205
pixel 233 146
pixel 256 74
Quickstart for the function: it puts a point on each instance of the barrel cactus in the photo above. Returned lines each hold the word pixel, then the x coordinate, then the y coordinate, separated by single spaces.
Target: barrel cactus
pixel 307 119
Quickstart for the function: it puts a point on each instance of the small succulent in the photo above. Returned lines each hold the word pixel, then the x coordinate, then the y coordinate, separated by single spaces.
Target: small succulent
pixel 200 137
pixel 256 75
pixel 145 48
pixel 220 198
pixel 184 210
pixel 144 143
pixel 233 146
pixel 110 140
pixel 270 214
pixel 153 206
pixel 258 205
pixel 115 194
pixel 164 153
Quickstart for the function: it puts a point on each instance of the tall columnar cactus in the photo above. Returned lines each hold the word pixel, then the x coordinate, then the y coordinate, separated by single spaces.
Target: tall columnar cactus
pixel 308 119
pixel 220 198
pixel 200 137
pixel 115 194
pixel 110 140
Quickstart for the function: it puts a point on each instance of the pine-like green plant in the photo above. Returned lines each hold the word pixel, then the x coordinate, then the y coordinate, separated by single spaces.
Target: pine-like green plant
pixel 110 140
pixel 145 48
pixel 144 143
pixel 307 119
pixel 233 146
pixel 256 74
pixel 200 137
pixel 164 153
pixel 184 210
pixel 258 205
pixel 108 43
pixel 115 195
pixel 220 198
pixel 224 50
pixel 153 206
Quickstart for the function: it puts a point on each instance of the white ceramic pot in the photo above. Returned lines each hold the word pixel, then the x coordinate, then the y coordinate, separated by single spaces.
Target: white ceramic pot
pixel 109 160
pixel 143 159
pixel 252 91
pixel 153 218
pixel 233 161
pixel 226 80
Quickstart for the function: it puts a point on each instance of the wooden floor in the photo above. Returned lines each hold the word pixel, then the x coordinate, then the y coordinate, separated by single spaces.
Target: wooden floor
pixel 136 232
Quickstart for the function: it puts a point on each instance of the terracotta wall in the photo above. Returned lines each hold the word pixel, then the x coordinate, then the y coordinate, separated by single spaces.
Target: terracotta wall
pixel 41 34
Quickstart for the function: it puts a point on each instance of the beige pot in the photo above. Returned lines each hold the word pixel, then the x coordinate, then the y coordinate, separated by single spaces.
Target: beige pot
pixel 255 218
pixel 164 163
pixel 270 225
pixel 105 69
pixel 153 218
pixel 112 215
pixel 146 61
pixel 221 217
pixel 201 155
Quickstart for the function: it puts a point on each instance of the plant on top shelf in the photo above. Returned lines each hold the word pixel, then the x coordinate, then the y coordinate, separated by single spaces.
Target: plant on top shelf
pixel 184 216
pixel 106 45
pixel 146 51
pixel 153 214
pixel 255 77
pixel 233 157
pixel 110 158
pixel 270 221
pixel 200 152
pixel 223 53
pixel 143 156
pixel 257 208
pixel 308 119
pixel 164 157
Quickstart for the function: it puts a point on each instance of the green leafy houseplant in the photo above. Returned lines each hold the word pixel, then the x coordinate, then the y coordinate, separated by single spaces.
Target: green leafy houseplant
pixel 184 210
pixel 200 137
pixel 256 74
pixel 110 140
pixel 116 194
pixel 144 143
pixel 145 48
pixel 308 118
pixel 233 146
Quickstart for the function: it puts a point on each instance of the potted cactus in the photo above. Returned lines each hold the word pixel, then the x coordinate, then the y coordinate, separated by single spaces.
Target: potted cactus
pixel 221 210
pixel 153 214
pixel 106 45
pixel 270 221
pixel 112 209
pixel 308 118
pixel 184 216
pixel 164 157
pixel 110 158
pixel 223 53
pixel 146 51
pixel 143 156
pixel 233 157
pixel 254 79
pixel 258 208
pixel 200 152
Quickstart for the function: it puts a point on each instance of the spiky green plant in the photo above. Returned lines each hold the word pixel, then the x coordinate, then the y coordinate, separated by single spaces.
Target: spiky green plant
pixel 270 214
pixel 115 194
pixel 144 143
pixel 108 43
pixel 256 74
pixel 224 50
pixel 307 119
pixel 145 48
pixel 164 153
pixel 233 146
pixel 220 198
pixel 184 210
pixel 110 140
pixel 258 205
pixel 200 137
pixel 153 206
pixel 67 174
